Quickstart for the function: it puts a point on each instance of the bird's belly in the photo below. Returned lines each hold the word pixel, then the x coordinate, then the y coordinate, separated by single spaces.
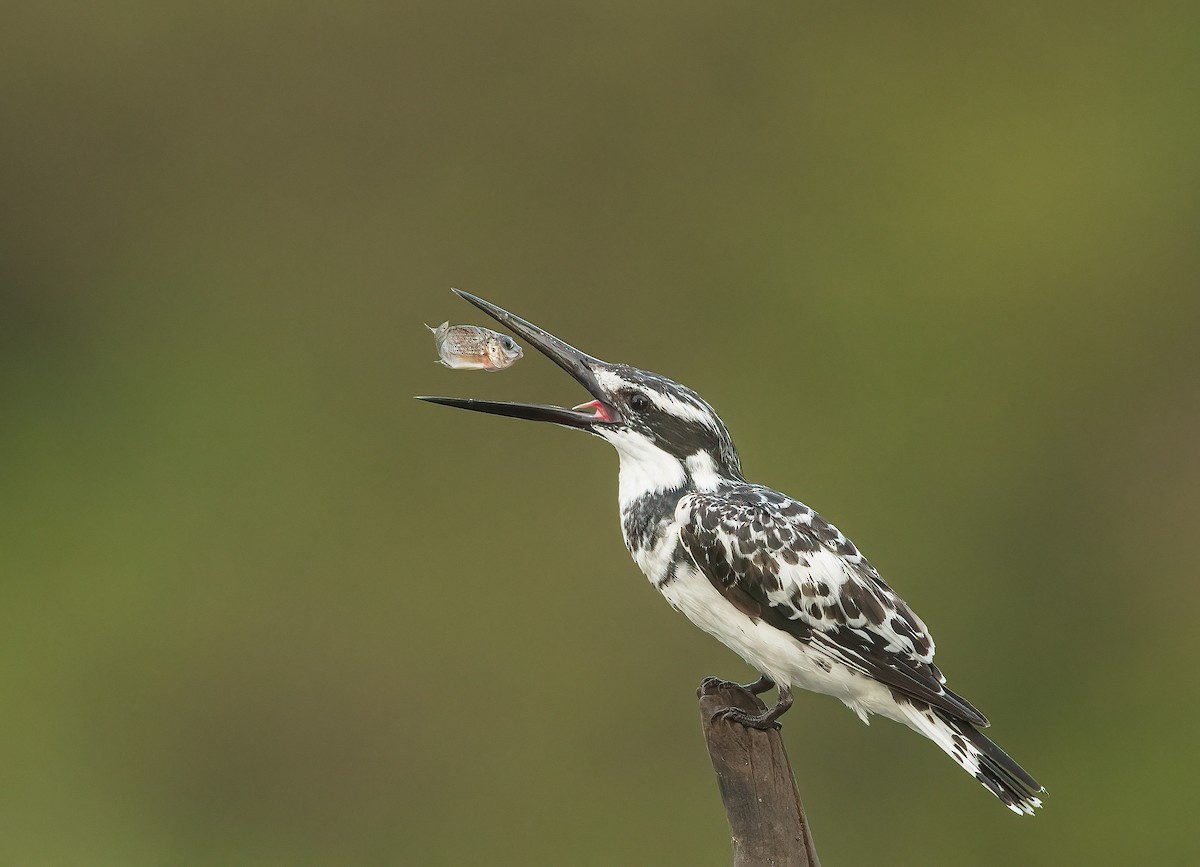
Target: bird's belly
pixel 775 653
pixel 771 651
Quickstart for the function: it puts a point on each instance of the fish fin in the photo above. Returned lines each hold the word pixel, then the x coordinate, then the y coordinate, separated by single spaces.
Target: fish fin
pixel 440 331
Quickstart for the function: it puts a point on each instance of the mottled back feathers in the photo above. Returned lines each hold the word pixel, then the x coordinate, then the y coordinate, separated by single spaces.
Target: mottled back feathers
pixel 777 560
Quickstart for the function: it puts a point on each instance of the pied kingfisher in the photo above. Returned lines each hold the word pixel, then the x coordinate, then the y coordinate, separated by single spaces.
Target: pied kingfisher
pixel 760 572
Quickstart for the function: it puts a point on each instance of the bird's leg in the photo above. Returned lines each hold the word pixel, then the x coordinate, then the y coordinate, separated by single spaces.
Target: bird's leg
pixel 765 720
pixel 759 686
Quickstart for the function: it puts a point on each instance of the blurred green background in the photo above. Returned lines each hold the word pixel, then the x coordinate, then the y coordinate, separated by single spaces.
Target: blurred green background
pixel 936 266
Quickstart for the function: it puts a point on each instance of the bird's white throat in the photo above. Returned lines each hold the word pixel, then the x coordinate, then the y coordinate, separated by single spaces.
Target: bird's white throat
pixel 645 468
pixel 648 469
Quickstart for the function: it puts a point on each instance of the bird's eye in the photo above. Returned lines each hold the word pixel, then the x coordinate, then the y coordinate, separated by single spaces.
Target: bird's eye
pixel 639 402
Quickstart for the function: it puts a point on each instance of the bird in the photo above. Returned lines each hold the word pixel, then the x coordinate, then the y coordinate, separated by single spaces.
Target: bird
pixel 759 571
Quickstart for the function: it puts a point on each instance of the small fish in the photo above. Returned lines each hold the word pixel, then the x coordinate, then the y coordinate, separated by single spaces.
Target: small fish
pixel 469 347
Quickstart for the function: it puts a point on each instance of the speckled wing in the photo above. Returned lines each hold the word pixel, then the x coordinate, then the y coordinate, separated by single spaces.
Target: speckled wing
pixel 779 561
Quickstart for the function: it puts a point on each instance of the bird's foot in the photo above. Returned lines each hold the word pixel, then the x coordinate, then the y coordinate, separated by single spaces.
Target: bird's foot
pixel 762 721
pixel 710 685
pixel 713 684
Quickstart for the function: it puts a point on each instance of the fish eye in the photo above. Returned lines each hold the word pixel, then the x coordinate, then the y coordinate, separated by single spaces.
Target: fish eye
pixel 508 343
pixel 638 402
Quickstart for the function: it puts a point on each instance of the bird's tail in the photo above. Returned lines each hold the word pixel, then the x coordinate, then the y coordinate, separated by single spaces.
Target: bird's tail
pixel 979 757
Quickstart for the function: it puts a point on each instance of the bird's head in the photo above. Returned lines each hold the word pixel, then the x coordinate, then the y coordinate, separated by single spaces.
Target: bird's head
pixel 666 435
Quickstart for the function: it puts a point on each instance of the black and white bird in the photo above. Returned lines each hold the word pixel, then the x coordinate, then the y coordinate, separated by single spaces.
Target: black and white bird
pixel 762 573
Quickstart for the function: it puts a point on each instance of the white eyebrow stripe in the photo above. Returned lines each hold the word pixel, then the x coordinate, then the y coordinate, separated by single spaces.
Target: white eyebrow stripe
pixel 610 380
pixel 672 405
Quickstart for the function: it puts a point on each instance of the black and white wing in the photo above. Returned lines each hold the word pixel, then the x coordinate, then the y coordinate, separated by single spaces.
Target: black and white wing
pixel 777 560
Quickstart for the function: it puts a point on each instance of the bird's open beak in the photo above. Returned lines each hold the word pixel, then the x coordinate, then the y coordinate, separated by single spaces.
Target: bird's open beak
pixel 580 365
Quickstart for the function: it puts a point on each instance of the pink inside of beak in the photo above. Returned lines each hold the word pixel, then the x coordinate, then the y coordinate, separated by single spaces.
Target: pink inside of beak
pixel 598 406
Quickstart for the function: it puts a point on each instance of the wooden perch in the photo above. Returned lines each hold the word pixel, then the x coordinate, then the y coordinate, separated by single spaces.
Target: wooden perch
pixel 766 818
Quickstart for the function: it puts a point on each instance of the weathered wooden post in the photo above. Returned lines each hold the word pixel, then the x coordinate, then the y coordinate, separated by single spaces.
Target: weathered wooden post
pixel 766 818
